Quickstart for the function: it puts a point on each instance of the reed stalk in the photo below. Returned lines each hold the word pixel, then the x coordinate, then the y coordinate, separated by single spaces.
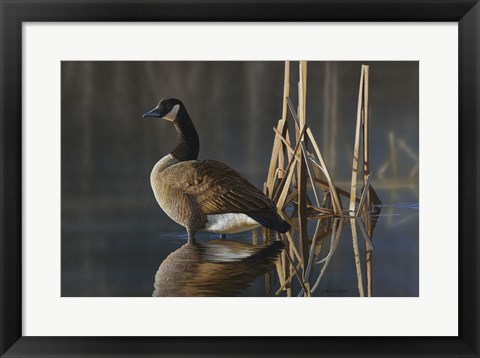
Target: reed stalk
pixel 274 160
pixel 302 167
pixel 356 252
pixel 286 90
pixel 254 237
pixel 353 187
pixel 367 177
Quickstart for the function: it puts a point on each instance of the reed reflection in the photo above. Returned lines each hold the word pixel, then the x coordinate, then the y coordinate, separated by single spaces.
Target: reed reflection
pixel 214 268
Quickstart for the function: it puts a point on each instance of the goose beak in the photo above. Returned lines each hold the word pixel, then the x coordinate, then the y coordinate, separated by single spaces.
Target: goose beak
pixel 153 113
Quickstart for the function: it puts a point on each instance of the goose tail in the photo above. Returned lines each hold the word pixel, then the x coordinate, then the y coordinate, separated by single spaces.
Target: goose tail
pixel 271 221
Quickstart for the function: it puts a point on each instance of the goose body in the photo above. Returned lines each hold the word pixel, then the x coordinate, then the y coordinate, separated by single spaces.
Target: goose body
pixel 205 194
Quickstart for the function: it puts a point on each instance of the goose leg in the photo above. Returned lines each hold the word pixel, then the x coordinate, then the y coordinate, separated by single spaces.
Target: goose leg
pixel 191 236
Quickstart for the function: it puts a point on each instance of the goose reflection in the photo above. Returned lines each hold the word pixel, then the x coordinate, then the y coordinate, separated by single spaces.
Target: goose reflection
pixel 214 268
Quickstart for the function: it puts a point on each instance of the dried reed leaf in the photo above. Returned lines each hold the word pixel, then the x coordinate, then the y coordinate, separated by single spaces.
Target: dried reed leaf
pixel 363 198
pixel 284 141
pixel 336 201
pixel 293 112
pixel 310 172
pixel 287 281
pixel 312 251
pixel 280 272
pixel 290 197
pixel 296 273
pixel 288 170
pixel 368 242
pixel 292 245
pixel 336 233
pixel 281 200
pixel 340 190
pixel 321 209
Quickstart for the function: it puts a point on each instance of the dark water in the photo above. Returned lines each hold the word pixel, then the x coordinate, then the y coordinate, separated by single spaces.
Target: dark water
pixel 123 260
pixel 115 238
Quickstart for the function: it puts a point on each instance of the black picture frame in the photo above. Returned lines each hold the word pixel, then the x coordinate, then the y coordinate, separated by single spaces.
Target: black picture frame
pixel 14 12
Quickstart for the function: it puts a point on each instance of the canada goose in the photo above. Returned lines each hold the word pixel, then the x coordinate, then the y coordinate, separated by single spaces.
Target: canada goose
pixel 214 268
pixel 205 194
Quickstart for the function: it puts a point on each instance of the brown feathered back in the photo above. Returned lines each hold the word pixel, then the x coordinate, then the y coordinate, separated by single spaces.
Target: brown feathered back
pixel 218 189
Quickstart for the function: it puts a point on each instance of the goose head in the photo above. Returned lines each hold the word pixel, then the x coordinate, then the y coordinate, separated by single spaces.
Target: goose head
pixel 174 110
pixel 167 108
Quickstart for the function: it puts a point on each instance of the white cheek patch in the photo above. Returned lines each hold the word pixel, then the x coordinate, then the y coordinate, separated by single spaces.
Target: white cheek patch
pixel 172 115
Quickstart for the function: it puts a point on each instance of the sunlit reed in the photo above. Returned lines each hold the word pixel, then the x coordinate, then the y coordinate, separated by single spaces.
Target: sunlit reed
pixel 298 173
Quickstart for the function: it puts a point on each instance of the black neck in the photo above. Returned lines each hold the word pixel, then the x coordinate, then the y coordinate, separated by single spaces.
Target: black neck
pixel 188 144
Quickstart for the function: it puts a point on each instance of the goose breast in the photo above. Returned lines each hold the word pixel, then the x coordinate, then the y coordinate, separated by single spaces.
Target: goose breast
pixel 207 189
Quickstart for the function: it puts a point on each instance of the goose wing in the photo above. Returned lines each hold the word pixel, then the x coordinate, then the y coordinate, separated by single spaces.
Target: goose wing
pixel 217 188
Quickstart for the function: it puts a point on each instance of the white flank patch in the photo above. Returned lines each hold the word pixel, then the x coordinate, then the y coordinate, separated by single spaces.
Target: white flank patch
pixel 172 115
pixel 230 223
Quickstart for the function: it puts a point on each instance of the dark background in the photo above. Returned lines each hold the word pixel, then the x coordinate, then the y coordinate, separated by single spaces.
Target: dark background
pixel 114 235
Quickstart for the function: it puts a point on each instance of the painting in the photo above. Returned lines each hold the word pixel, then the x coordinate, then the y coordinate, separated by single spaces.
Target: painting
pixel 253 179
